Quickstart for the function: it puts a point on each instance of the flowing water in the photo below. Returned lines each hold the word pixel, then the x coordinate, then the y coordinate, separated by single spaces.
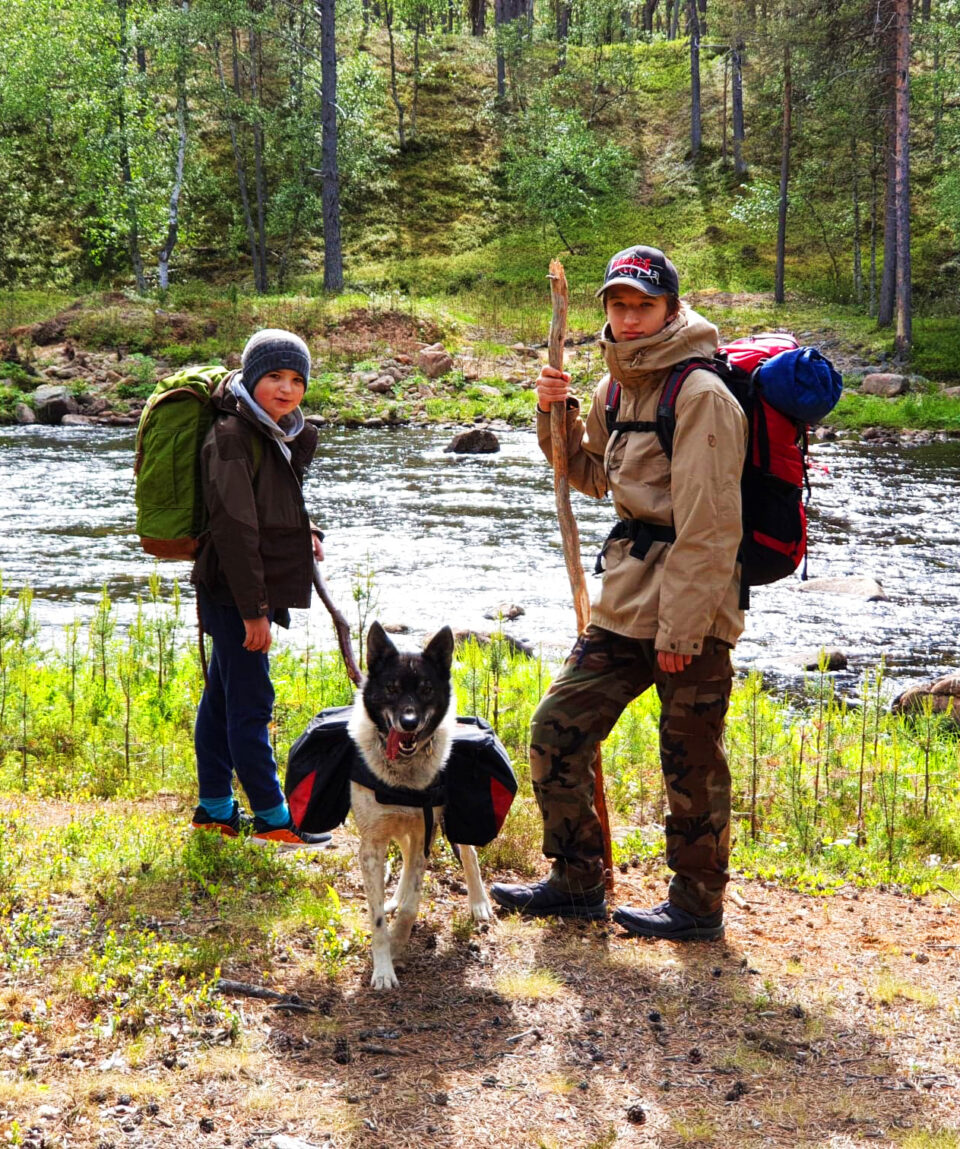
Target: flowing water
pixel 450 537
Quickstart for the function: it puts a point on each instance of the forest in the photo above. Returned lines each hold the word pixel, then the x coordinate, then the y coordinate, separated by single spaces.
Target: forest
pixel 437 147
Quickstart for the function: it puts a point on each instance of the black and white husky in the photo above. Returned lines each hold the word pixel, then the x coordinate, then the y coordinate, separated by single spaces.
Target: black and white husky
pixel 403 722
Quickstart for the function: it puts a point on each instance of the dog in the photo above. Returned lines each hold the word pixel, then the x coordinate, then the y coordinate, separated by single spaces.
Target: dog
pixel 402 722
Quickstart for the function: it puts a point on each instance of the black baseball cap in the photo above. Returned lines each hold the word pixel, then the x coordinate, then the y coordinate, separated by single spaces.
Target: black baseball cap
pixel 645 268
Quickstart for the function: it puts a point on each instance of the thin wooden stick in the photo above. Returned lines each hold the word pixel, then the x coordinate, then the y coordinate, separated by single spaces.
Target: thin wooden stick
pixel 340 625
pixel 569 534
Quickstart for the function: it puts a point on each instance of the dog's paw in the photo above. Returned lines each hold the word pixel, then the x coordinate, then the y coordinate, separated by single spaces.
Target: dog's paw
pixel 482 910
pixel 384 979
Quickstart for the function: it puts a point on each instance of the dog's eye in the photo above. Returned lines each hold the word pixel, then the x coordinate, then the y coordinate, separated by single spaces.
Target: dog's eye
pixel 425 689
pixel 392 689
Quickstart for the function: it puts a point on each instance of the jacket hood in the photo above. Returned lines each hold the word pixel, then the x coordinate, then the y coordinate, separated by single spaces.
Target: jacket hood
pixel 688 336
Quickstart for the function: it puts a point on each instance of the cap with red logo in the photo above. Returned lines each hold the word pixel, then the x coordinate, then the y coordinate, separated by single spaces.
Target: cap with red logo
pixel 645 268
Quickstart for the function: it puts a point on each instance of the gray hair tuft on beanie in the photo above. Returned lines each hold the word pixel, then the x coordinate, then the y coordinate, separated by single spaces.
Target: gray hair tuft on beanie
pixel 274 350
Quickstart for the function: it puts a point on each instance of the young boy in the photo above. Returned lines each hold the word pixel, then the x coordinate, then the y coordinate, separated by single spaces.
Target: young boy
pixel 668 610
pixel 255 561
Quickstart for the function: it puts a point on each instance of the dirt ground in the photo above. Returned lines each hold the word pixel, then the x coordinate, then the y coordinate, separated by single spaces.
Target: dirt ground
pixel 816 1022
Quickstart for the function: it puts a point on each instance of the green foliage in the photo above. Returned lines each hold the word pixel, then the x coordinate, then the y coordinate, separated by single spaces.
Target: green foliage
pixel 559 168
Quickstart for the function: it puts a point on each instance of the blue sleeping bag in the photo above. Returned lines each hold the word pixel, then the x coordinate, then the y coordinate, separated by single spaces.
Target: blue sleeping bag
pixel 802 384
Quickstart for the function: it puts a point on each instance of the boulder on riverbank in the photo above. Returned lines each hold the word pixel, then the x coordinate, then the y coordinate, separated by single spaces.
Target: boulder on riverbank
pixel 51 402
pixel 832 659
pixel 855 586
pixel 481 638
pixel 435 361
pixel 477 441
pixel 885 384
pixel 944 694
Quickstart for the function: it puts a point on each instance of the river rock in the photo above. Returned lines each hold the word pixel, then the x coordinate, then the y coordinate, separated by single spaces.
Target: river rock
pixel 506 610
pixel 435 361
pixel 487 391
pixel 478 441
pixel 396 628
pixel 855 586
pixel 382 384
pixel 374 421
pixel 76 421
pixel 52 402
pixel 951 392
pixel 944 692
pixel 515 645
pixel 316 420
pixel 25 414
pixel 525 352
pixel 885 384
pixel 835 659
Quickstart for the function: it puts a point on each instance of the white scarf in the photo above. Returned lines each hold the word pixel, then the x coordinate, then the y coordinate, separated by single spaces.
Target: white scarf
pixel 283 436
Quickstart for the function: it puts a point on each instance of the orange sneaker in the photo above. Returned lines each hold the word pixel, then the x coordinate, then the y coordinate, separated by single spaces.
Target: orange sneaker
pixel 238 823
pixel 288 837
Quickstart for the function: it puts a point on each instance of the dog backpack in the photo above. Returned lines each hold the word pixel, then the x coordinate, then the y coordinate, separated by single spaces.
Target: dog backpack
pixel 476 787
pixel 174 422
pixel 782 388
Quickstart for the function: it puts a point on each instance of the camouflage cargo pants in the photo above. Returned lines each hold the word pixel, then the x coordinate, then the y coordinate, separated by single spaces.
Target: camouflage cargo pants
pixel 602 675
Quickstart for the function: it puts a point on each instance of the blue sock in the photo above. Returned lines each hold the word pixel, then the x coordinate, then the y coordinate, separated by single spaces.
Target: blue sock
pixel 219 809
pixel 276 816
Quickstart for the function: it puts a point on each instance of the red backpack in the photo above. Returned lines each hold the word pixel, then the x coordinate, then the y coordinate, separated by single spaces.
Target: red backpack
pixel 774 539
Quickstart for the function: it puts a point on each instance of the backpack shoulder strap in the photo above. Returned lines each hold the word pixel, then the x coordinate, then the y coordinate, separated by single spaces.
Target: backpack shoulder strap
pixel 611 405
pixel 666 423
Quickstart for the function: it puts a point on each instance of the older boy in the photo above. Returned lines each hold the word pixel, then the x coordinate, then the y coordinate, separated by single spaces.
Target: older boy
pixel 668 610
pixel 254 563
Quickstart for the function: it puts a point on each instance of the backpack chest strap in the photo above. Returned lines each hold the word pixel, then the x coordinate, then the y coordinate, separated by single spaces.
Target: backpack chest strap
pixel 434 795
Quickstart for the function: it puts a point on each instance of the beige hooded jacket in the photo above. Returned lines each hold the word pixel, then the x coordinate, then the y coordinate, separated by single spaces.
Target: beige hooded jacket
pixel 687 590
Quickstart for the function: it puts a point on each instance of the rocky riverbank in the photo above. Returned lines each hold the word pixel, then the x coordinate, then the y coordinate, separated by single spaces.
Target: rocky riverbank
pixel 96 362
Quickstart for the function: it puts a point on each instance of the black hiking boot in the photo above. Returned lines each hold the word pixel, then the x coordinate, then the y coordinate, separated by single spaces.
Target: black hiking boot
pixel 671 923
pixel 544 900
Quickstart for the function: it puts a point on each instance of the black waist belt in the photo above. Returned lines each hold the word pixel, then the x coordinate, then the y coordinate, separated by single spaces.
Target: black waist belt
pixel 644 535
pixel 434 795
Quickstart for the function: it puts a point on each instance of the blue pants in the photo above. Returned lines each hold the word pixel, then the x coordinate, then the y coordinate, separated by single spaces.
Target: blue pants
pixel 231 735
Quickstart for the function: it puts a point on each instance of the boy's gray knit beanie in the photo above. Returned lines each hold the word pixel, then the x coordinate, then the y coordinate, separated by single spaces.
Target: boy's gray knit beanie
pixel 274 350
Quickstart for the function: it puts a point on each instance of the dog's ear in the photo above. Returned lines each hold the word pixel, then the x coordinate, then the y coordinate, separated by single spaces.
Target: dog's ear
pixel 440 649
pixel 379 646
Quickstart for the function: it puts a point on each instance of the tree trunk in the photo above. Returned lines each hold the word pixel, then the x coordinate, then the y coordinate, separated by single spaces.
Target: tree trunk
pixel 498 21
pixel 675 20
pixel 857 255
pixel 173 208
pixel 888 280
pixel 330 171
pixel 649 7
pixel 723 135
pixel 904 336
pixel 736 96
pixel 416 80
pixel 126 173
pixel 260 185
pixel 478 17
pixel 874 217
pixel 237 153
pixel 563 24
pixel 695 128
pixel 702 23
pixel 925 11
pixel 779 294
pixel 394 94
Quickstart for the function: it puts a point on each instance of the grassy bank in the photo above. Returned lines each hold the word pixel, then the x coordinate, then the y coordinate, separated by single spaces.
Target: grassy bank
pixel 826 789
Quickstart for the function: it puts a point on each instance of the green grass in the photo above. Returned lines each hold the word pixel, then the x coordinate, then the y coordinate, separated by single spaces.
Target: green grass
pixel 916 410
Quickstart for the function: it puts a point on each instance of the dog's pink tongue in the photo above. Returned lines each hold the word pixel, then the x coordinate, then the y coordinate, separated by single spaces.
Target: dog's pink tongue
pixel 393 743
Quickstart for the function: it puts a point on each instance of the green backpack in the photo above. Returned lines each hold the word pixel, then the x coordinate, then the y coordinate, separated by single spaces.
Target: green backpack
pixel 169 496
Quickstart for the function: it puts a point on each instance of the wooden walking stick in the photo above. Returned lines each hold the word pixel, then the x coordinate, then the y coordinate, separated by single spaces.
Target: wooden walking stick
pixel 569 534
pixel 340 625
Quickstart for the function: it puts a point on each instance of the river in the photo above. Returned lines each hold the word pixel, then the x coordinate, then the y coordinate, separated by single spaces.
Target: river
pixel 449 537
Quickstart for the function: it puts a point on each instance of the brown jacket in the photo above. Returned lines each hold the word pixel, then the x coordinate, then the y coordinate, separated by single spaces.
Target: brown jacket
pixel 687 590
pixel 258 549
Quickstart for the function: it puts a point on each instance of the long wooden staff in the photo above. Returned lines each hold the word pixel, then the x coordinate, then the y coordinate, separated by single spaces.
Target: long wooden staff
pixel 568 524
pixel 340 625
